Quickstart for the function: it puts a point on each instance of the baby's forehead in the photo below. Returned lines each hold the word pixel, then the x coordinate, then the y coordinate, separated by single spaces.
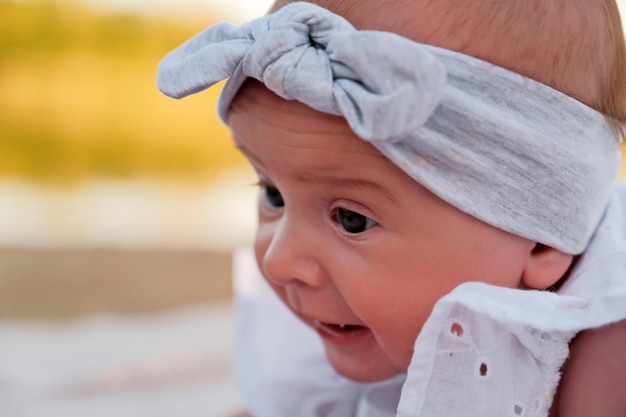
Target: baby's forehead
pixel 309 146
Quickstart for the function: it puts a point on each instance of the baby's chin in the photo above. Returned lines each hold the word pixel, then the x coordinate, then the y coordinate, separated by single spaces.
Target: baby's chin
pixel 364 367
pixel 366 375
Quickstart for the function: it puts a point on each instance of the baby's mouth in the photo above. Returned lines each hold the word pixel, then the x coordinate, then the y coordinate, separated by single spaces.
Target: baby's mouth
pixel 339 330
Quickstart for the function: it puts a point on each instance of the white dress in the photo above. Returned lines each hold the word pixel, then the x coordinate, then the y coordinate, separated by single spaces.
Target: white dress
pixel 484 351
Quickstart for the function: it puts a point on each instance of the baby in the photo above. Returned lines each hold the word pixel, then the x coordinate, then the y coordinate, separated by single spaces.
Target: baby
pixel 424 195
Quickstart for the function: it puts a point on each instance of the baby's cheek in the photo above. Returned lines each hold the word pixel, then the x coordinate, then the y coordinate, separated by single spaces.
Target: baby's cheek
pixel 397 335
pixel 400 351
pixel 262 241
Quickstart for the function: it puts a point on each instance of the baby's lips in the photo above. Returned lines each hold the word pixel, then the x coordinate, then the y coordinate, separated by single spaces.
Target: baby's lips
pixel 339 329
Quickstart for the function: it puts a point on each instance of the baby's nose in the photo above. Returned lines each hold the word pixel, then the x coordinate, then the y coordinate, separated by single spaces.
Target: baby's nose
pixel 292 255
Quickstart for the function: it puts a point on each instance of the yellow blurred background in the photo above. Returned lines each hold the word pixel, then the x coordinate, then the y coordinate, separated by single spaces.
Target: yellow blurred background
pixel 119 211
pixel 102 178
pixel 78 98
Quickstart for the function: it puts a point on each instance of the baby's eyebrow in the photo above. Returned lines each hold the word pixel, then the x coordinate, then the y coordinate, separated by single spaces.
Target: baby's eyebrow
pixel 346 182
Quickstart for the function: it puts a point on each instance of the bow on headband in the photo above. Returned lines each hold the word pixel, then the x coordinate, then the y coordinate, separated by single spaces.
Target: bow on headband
pixel 307 54
pixel 506 149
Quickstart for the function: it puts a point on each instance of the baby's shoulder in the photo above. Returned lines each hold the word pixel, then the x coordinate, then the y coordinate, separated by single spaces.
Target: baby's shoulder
pixel 594 376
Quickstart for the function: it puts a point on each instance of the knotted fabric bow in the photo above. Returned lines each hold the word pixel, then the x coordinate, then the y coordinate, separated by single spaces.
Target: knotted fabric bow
pixel 508 150
pixel 307 54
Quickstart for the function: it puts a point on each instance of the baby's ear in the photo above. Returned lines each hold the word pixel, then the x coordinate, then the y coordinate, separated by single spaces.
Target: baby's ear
pixel 545 267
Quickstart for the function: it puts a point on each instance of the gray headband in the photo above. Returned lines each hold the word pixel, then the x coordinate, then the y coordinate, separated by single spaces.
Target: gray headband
pixel 501 147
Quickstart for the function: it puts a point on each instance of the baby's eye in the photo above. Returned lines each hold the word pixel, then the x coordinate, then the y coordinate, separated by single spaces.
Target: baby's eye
pixel 273 197
pixel 353 222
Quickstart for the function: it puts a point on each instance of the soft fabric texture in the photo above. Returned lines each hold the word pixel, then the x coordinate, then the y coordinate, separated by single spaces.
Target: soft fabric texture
pixel 484 351
pixel 501 147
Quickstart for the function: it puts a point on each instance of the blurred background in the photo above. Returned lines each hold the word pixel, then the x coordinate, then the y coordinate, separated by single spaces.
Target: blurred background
pixel 119 211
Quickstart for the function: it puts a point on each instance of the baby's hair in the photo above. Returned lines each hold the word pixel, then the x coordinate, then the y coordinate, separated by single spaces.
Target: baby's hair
pixel 575 46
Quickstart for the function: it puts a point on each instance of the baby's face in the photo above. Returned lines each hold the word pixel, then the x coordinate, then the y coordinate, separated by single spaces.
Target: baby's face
pixel 353 246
